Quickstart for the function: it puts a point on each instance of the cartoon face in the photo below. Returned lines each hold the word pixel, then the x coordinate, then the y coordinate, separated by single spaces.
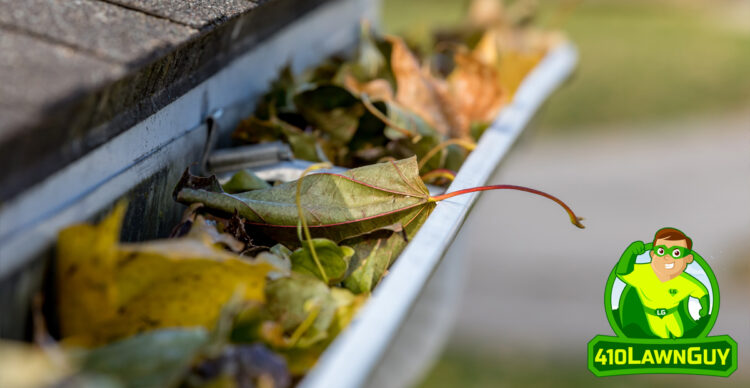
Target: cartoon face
pixel 668 258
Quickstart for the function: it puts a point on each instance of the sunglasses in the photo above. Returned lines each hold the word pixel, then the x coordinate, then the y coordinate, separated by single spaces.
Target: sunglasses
pixel 675 252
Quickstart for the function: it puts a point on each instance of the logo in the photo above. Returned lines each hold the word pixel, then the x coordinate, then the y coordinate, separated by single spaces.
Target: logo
pixel 662 299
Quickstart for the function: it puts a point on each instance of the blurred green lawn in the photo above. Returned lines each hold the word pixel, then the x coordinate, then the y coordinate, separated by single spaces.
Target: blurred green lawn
pixel 639 61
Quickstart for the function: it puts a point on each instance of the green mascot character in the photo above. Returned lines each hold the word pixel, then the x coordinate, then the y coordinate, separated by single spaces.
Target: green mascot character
pixel 654 302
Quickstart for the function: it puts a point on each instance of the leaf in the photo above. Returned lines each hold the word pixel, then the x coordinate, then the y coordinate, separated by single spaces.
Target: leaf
pixel 378 89
pixel 283 252
pixel 244 180
pixel 24 365
pixel 331 109
pixel 423 94
pixel 401 118
pixel 370 73
pixel 479 86
pixel 202 230
pixel 279 97
pixel 347 306
pixel 292 300
pixel 159 358
pixel 282 264
pixel 512 54
pixel 421 136
pixel 254 130
pixel 367 145
pixel 370 61
pixel 254 364
pixel 411 135
pixel 86 260
pixel 364 278
pixel 333 258
pixel 109 290
pixel 325 71
pixel 302 359
pixel 454 157
pixel 304 145
pixel 337 206
pixel 374 253
pixel 341 206
pixel 514 66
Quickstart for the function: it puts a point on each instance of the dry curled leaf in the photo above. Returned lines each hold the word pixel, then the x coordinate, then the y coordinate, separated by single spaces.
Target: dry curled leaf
pixel 479 88
pixel 422 93
pixel 336 206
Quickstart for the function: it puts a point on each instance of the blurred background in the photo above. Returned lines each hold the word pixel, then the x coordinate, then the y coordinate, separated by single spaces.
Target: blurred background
pixel 653 130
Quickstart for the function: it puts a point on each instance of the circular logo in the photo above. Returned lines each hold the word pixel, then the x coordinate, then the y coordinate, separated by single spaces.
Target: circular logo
pixel 682 314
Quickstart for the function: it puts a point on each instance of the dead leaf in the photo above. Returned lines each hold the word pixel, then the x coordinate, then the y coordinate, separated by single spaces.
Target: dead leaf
pixel 109 290
pixel 477 87
pixel 514 53
pixel 422 93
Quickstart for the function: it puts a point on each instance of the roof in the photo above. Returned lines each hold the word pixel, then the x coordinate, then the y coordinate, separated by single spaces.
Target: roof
pixel 74 74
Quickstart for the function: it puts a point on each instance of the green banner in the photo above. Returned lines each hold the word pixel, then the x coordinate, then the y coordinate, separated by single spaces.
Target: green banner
pixel 711 356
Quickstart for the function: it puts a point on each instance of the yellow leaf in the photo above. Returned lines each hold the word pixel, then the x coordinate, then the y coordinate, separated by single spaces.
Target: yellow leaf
pixel 86 256
pixel 348 306
pixel 512 53
pixel 122 289
pixel 514 66
pixel 301 359
pixel 486 50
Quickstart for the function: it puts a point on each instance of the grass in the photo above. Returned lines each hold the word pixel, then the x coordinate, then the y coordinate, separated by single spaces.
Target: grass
pixel 639 61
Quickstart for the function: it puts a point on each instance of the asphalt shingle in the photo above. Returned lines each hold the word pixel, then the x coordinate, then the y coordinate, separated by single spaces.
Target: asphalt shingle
pixel 102 29
pixel 194 13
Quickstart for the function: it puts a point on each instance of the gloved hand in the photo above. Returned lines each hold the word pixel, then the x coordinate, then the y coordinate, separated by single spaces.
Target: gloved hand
pixel 636 248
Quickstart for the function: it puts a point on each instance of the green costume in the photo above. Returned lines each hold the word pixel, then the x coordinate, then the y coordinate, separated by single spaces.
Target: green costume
pixel 664 304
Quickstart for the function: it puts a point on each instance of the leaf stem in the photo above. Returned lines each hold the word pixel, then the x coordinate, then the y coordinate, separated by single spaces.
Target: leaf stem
pixel 377 113
pixel 305 229
pixel 575 220
pixel 302 328
pixel 467 144
pixel 439 173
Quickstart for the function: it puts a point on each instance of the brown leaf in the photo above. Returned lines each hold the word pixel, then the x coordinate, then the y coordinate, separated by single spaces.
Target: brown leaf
pixel 424 94
pixel 478 85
